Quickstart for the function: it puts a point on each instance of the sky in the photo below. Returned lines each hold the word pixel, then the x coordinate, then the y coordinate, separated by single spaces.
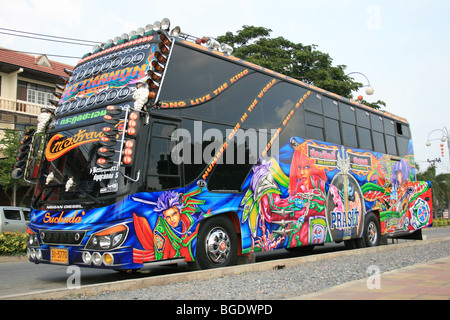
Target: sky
pixel 401 46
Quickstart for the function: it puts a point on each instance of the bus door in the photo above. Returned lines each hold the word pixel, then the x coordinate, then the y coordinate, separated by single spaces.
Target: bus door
pixel 162 172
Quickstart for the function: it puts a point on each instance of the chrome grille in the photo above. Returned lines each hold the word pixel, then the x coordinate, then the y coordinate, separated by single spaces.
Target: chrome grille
pixel 61 237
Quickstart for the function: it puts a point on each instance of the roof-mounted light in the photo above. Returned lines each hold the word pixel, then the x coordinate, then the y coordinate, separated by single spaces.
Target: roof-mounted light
pixel 175 31
pixel 165 40
pixel 201 40
pixel 161 26
pixel 157 66
pixel 160 57
pixel 136 34
pixel 96 48
pixel 109 43
pixel 123 38
pixel 165 24
pixel 153 84
pixel 132 34
pixel 225 48
pixel 116 40
pixel 163 48
pixel 148 30
pixel 157 26
pixel 212 43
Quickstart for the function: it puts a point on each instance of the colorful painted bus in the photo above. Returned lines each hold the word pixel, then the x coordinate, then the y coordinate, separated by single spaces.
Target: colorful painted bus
pixel 165 148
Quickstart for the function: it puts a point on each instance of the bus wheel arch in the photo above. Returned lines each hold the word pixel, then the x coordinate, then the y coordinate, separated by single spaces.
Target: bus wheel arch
pixel 217 243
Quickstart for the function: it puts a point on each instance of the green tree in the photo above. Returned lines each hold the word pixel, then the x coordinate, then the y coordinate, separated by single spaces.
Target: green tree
pixel 9 144
pixel 302 62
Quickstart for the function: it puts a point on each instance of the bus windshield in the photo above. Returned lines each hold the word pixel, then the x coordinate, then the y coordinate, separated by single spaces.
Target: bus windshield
pixel 70 172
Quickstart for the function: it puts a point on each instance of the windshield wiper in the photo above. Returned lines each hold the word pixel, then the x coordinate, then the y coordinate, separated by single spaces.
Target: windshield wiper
pixel 77 189
pixel 53 186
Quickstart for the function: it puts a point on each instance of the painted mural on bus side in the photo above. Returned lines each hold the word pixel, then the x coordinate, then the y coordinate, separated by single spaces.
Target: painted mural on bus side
pixel 309 194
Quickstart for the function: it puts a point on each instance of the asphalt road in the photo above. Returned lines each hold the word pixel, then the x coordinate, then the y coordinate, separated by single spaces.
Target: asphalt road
pixel 23 276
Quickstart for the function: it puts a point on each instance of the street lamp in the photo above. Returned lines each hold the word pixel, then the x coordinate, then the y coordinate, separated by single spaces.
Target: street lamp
pixel 369 89
pixel 445 137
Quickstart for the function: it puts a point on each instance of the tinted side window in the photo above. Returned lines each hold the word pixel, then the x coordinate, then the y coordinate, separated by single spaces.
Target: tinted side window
pixel 402 130
pixel 365 139
pixel 402 144
pixel 27 214
pixel 230 105
pixel 12 214
pixel 332 131
pixel 391 146
pixel 314 133
pixel 378 141
pixel 363 118
pixel 347 113
pixel 192 74
pixel 389 127
pixel 377 122
pixel 230 176
pixel 330 108
pixel 314 103
pixel 314 126
pixel 275 105
pixel 349 135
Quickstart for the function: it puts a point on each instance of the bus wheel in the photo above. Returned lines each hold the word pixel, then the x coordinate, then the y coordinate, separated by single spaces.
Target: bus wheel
pixel 216 244
pixel 372 232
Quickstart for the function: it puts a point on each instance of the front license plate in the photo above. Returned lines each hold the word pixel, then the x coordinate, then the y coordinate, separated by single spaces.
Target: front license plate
pixel 59 256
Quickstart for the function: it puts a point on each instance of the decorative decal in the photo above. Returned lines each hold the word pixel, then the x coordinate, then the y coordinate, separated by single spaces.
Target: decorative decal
pixel 207 96
pixel 60 145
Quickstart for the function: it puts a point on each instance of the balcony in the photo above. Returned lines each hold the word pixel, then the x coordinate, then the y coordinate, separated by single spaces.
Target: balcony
pixel 20 107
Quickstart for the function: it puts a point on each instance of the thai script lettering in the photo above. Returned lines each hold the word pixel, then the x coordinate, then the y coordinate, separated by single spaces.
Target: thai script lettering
pixel 324 156
pixel 81 117
pixel 59 145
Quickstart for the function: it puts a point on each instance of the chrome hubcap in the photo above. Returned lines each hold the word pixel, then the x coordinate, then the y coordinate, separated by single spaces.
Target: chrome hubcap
pixel 218 245
pixel 372 233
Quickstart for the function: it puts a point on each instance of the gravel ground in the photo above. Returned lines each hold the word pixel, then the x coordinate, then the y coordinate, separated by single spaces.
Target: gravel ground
pixel 286 283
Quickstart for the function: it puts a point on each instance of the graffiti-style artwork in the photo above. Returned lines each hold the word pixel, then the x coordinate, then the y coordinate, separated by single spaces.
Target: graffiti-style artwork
pixel 169 226
pixel 318 192
pixel 400 200
pixel 286 210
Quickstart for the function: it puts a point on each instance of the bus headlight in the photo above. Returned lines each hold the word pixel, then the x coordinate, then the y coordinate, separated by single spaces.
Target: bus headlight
pixel 108 239
pixel 32 238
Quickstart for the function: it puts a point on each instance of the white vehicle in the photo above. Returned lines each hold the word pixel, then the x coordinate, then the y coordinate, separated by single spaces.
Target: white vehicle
pixel 14 219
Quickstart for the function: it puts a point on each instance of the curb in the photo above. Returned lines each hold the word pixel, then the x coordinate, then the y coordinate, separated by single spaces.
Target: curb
pixel 18 258
pixel 133 284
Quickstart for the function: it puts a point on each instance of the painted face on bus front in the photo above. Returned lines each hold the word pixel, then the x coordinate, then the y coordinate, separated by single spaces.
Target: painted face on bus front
pixel 172 216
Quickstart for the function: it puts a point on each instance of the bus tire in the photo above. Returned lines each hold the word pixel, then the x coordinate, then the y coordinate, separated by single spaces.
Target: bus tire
pixel 217 243
pixel 372 233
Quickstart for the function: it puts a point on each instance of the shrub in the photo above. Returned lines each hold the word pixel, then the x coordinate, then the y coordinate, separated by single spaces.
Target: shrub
pixel 441 222
pixel 13 243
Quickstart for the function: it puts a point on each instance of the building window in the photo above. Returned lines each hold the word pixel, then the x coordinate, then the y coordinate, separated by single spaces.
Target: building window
pixel 34 93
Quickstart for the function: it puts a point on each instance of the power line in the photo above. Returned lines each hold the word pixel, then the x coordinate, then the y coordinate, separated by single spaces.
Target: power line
pixel 87 42
pixel 37 53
